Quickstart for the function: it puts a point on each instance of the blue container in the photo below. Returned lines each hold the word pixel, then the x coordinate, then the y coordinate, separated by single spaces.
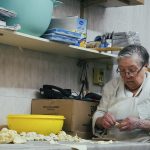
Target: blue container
pixel 68 33
pixel 34 16
pixel 61 38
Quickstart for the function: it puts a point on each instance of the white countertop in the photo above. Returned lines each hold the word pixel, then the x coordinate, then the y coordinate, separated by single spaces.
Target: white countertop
pixel 79 146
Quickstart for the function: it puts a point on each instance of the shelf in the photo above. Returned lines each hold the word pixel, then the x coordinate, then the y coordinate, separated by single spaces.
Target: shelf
pixel 112 3
pixel 108 49
pixel 26 41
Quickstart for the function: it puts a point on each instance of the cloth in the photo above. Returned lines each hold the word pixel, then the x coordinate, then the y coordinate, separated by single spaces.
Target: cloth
pixel 121 103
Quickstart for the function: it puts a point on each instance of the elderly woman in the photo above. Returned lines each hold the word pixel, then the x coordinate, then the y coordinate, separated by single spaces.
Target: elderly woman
pixel 124 111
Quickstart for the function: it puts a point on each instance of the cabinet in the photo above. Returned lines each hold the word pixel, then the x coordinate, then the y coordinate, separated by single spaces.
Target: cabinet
pixel 22 40
pixel 107 3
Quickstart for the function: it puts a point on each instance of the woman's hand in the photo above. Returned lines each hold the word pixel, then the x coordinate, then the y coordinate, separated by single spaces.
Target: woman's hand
pixel 107 121
pixel 129 123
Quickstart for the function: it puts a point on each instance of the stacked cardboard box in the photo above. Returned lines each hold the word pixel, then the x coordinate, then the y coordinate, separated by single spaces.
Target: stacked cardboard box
pixel 73 24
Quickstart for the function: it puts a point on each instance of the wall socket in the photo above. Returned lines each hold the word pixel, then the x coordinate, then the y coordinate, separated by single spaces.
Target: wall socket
pixel 98 76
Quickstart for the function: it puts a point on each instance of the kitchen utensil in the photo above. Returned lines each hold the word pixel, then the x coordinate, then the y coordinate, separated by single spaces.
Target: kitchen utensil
pixel 42 124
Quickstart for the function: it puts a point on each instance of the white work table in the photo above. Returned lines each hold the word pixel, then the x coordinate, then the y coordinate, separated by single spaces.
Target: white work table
pixel 84 146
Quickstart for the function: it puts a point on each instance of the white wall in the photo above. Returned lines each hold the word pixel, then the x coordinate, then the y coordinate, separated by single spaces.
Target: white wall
pixel 127 18
pixel 22 73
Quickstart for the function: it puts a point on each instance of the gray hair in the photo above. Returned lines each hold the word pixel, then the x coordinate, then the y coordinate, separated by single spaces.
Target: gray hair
pixel 133 50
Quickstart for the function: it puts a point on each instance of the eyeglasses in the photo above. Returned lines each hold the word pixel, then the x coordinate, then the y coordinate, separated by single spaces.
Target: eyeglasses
pixel 131 72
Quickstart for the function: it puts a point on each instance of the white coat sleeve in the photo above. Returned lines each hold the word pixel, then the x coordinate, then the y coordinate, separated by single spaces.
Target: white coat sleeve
pixel 108 92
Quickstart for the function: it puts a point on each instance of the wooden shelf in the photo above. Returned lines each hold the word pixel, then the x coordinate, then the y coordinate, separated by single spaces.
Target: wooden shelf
pixel 25 41
pixel 112 3
pixel 108 49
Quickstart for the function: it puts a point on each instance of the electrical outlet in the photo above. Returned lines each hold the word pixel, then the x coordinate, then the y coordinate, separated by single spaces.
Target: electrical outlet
pixel 98 76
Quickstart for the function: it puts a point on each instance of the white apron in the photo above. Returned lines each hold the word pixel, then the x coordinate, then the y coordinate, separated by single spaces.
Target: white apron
pixel 122 104
pixel 122 108
pixel 125 108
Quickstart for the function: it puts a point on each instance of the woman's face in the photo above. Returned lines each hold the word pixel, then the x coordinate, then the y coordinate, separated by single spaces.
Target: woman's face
pixel 131 72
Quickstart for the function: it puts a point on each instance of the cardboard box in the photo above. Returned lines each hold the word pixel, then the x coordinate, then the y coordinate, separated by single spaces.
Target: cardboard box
pixel 78 113
pixel 73 23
